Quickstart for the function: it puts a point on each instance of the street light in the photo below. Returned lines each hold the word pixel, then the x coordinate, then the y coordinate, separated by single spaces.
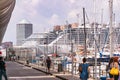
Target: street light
pixel 56 42
pixel 44 50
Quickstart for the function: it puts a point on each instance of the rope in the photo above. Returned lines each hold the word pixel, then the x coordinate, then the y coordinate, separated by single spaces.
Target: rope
pixel 98 47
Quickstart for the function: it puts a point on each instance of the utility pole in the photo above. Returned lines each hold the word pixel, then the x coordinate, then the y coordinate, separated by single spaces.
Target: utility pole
pixel 111 27
pixel 85 48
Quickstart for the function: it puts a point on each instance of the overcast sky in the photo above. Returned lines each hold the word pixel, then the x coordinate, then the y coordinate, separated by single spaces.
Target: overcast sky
pixel 44 14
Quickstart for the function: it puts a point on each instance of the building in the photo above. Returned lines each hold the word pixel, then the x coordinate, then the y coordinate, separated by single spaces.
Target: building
pixel 39 39
pixel 7 44
pixel 24 30
pixel 64 39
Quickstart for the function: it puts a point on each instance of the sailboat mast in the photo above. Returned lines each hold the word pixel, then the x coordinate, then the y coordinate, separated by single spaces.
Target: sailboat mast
pixel 95 76
pixel 111 27
pixel 85 48
pixel 78 32
pixel 102 27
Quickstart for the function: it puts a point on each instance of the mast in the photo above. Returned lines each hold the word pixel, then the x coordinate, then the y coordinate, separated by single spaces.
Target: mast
pixel 85 48
pixel 111 27
pixel 99 41
pixel 102 17
pixel 78 33
pixel 95 47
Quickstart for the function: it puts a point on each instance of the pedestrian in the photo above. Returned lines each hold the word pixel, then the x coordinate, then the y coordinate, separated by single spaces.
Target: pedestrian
pixel 84 70
pixel 113 64
pixel 2 69
pixel 18 57
pixel 48 64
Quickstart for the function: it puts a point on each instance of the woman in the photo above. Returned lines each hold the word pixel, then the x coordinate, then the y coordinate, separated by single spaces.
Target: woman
pixel 113 63
pixel 84 74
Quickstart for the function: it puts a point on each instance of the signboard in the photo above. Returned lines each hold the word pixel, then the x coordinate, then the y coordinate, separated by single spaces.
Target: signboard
pixel 3 52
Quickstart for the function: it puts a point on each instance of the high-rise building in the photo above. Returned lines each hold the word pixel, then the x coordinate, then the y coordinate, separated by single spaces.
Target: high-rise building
pixel 24 30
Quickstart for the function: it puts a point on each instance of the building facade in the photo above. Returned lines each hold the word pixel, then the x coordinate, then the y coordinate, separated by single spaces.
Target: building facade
pixel 24 30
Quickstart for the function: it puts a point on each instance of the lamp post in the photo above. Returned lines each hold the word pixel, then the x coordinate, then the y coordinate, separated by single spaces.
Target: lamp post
pixel 44 49
pixel 56 48
pixel 56 43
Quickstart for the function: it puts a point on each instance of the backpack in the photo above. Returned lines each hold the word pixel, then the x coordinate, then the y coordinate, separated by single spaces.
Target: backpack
pixel 114 71
pixel 80 68
pixel 2 65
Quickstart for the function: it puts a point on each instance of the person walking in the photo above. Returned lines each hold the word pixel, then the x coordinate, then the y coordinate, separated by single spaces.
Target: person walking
pixel 84 72
pixel 113 64
pixel 3 69
pixel 48 64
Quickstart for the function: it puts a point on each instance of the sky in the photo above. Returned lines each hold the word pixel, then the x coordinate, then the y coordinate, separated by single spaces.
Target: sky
pixel 44 14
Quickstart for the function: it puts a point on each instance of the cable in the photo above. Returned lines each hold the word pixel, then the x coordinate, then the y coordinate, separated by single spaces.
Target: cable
pixel 87 17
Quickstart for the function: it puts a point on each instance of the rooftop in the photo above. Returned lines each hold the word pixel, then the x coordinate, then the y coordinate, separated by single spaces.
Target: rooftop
pixel 24 21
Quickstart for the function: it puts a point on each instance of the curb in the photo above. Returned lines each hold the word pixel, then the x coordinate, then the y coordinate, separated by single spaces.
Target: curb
pixel 50 73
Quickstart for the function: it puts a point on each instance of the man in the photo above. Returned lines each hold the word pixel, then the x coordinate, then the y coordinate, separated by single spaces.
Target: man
pixel 2 69
pixel 48 62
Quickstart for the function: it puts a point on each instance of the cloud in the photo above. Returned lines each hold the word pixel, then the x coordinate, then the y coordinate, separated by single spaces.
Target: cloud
pixel 72 1
pixel 36 2
pixel 46 13
pixel 29 7
pixel 54 20
pixel 72 14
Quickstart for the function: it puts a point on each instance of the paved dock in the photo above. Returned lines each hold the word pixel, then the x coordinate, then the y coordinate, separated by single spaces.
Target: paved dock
pixel 60 75
pixel 21 71
pixel 16 71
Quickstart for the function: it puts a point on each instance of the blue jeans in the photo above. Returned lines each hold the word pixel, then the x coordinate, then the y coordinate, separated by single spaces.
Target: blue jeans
pixel 3 73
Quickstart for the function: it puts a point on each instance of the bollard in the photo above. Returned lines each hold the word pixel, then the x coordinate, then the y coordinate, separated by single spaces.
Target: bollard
pixel 60 69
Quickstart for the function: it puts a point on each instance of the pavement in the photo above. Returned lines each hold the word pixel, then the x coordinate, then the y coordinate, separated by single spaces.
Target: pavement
pixel 19 70
pixel 60 75
pixel 16 71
